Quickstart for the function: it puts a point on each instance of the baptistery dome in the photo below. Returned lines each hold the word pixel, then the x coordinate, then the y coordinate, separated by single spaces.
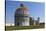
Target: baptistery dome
pixel 22 10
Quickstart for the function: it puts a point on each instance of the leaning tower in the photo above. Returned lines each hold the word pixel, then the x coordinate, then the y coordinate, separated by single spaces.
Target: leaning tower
pixel 21 16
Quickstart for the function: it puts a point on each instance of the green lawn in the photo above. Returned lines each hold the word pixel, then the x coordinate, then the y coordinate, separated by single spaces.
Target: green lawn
pixel 23 27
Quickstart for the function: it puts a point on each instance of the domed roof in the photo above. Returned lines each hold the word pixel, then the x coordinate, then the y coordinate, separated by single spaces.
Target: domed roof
pixel 21 10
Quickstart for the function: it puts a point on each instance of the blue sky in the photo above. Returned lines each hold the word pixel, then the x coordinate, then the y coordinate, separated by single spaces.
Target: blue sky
pixel 35 9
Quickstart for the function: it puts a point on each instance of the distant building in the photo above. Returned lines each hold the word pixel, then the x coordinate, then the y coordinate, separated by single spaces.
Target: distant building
pixel 9 24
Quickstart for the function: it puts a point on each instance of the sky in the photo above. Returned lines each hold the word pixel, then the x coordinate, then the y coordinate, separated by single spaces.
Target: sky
pixel 36 9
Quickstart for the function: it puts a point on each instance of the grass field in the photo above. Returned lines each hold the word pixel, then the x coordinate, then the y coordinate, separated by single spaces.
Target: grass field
pixel 23 27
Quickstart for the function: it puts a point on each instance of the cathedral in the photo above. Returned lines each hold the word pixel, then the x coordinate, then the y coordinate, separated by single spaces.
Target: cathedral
pixel 22 17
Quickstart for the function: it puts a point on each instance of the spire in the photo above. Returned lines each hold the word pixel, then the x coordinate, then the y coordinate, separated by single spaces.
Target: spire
pixel 38 17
